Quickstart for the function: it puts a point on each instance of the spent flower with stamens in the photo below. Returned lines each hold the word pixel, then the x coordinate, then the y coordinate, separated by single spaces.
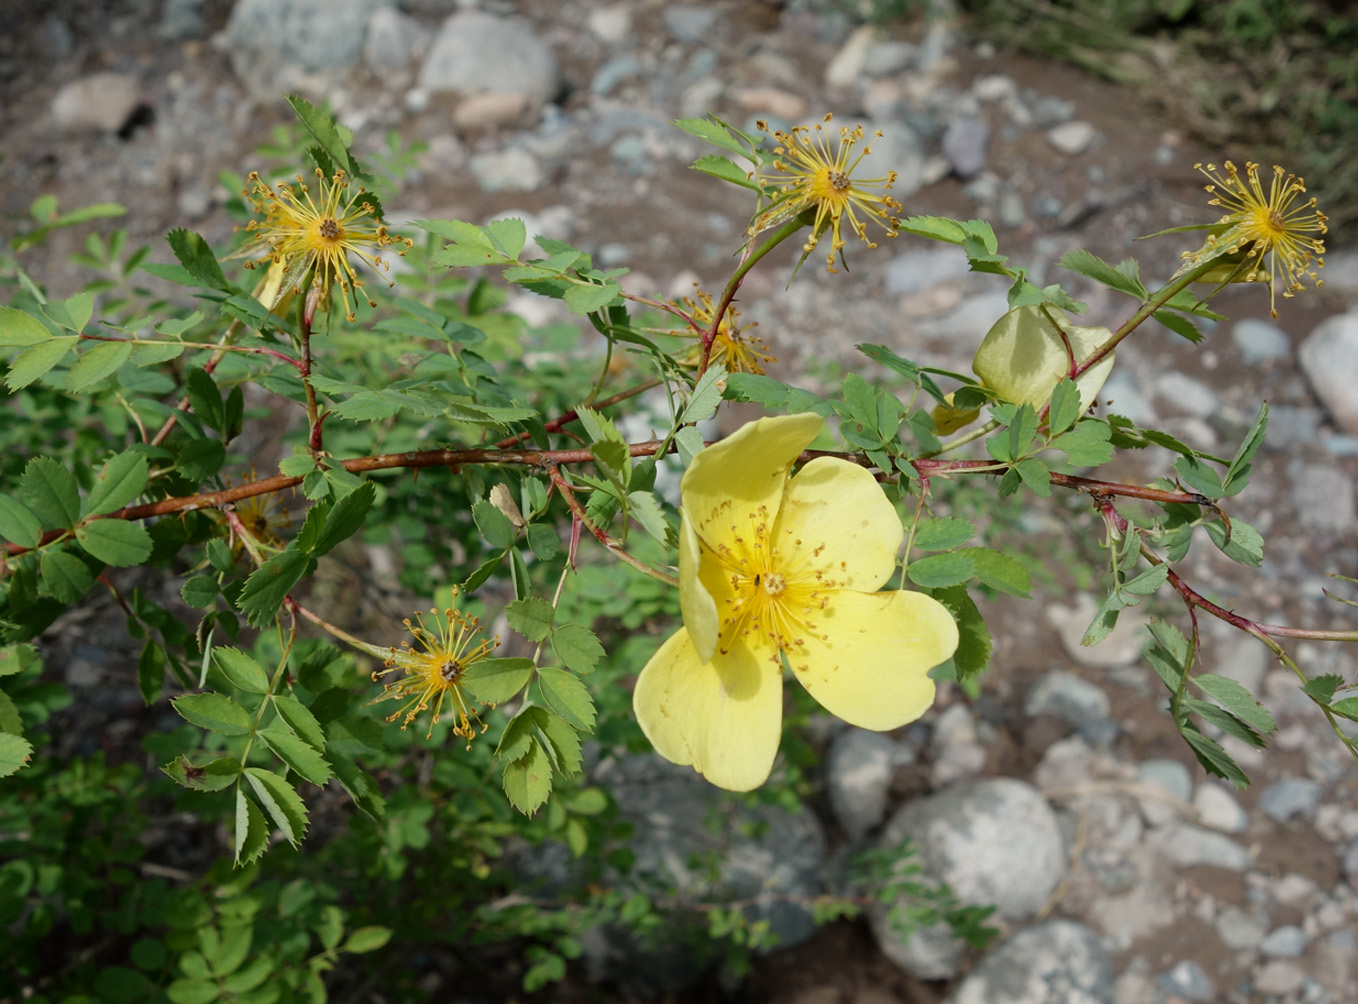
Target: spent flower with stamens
pixel 772 568
pixel 434 673
pixel 1276 225
pixel 315 237
pixel 732 347
pixel 816 176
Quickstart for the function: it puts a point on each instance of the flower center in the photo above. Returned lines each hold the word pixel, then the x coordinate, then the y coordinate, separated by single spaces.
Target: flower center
pixel 330 228
pixel 839 180
pixel 773 584
pixel 450 670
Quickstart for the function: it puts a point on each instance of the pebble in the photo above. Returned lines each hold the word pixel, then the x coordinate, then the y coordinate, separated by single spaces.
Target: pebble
pixel 1240 930
pixel 1072 138
pixel 1329 358
pixel 511 170
pixel 273 42
pixel 1062 693
pixel 858 770
pixel 1350 864
pixel 1324 497
pixel 1187 395
pixel 1292 796
pixel 101 102
pixel 393 41
pixel 480 112
pixel 925 269
pixel 1059 960
pixel 1171 777
pixel 1279 977
pixel 1188 980
pixel 1218 809
pixel 1122 647
pixel 181 19
pixel 689 23
pixel 475 52
pixel 1187 845
pixel 965 143
pixel 610 24
pixel 1260 342
pixel 1288 942
pixel 772 101
pixel 848 63
pixel 884 59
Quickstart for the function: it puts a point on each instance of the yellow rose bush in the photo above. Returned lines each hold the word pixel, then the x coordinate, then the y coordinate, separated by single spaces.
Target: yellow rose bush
pixel 776 567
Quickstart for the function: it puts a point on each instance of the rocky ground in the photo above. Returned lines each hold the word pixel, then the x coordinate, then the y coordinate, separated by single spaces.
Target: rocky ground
pixel 1062 795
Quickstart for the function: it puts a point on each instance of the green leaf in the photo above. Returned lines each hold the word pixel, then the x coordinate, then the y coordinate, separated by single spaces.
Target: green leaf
pixel 1246 546
pixel 151 672
pixel 718 133
pixel 1105 619
pixel 115 542
pixel 66 576
pixel 1087 444
pixel 495 527
pixel 269 585
pixel 727 170
pixel 643 508
pixel 495 681
pixel 50 491
pixel 1065 406
pixel 998 571
pixel 562 743
pixel 199 459
pixel 212 776
pixel 1125 277
pixel 214 712
pixel 282 804
pixel 72 313
pixel 205 397
pixel 1239 470
pixel 252 839
pixel 344 518
pixel 544 541
pixel 1199 477
pixel 195 991
pixel 974 644
pixel 944 533
pixel 359 785
pixel 937 228
pixel 528 779
pixel 20 329
pixel 18 523
pixel 200 592
pixel 300 720
pixel 332 137
pixel 941 570
pixel 1322 688
pixel 243 672
pixel 702 404
pixel 531 617
pixel 92 366
pixel 1213 758
pixel 1148 582
pixel 120 481
pixel 10 722
pixel 14 753
pixel 1036 476
pixel 197 258
pixel 1347 708
pixel 567 696
pixel 366 939
pixel 300 756
pixel 36 360
pixel 577 646
pixel 1235 699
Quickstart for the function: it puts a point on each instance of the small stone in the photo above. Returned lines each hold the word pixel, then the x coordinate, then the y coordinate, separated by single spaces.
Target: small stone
pixel 614 72
pixel 1171 777
pixel 1329 358
pixel 1010 211
pixel 476 52
pixel 481 112
pixel 1350 864
pixel 847 65
pixel 271 44
pixel 1217 809
pixel 858 771
pixel 995 87
pixel 1279 977
pixel 1260 341
pixel 181 19
pixel 611 23
pixel 1122 647
pixel 916 270
pixel 1058 960
pixel 1189 396
pixel 194 202
pixel 1240 930
pixel 1292 796
pixel 507 171
pixel 1072 138
pixel 689 23
pixel 1188 980
pixel 1066 695
pixel 965 143
pixel 1324 497
pixel 393 41
pixel 773 101
pixel 1187 845
pixel 887 58
pixel 1287 942
pixel 102 102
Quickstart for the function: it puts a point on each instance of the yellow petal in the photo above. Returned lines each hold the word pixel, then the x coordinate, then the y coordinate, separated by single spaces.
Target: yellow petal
pixel 695 602
pixel 871 667
pixel 722 717
pixel 1023 358
pixel 948 419
pixel 728 483
pixel 836 520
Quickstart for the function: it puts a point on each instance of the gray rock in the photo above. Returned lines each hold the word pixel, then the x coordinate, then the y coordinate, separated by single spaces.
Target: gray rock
pixel 898 149
pixel 56 38
pixel 919 269
pixel 181 19
pixel 1292 796
pixel 273 42
pixel 994 841
pixel 1260 341
pixel 1187 845
pixel 1218 809
pixel 1341 273
pixel 1062 693
pixel 101 102
pixel 1049 111
pixel 965 143
pixel 1350 864
pixel 1011 212
pixel 1190 396
pixel 1072 138
pixel 393 41
pixel 1188 980
pixel 506 171
pixel 689 23
pixel 1329 358
pixel 1290 427
pixel 1056 961
pixel 1324 497
pixel 1240 930
pixel 614 72
pixel 1122 647
pixel 885 59
pixel 610 24
pixel 479 52
pixel 858 771
pixel 1286 942
pixel 1279 977
pixel 1171 777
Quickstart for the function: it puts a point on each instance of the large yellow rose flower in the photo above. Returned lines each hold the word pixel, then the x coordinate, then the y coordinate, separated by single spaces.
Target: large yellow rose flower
pixel 774 568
